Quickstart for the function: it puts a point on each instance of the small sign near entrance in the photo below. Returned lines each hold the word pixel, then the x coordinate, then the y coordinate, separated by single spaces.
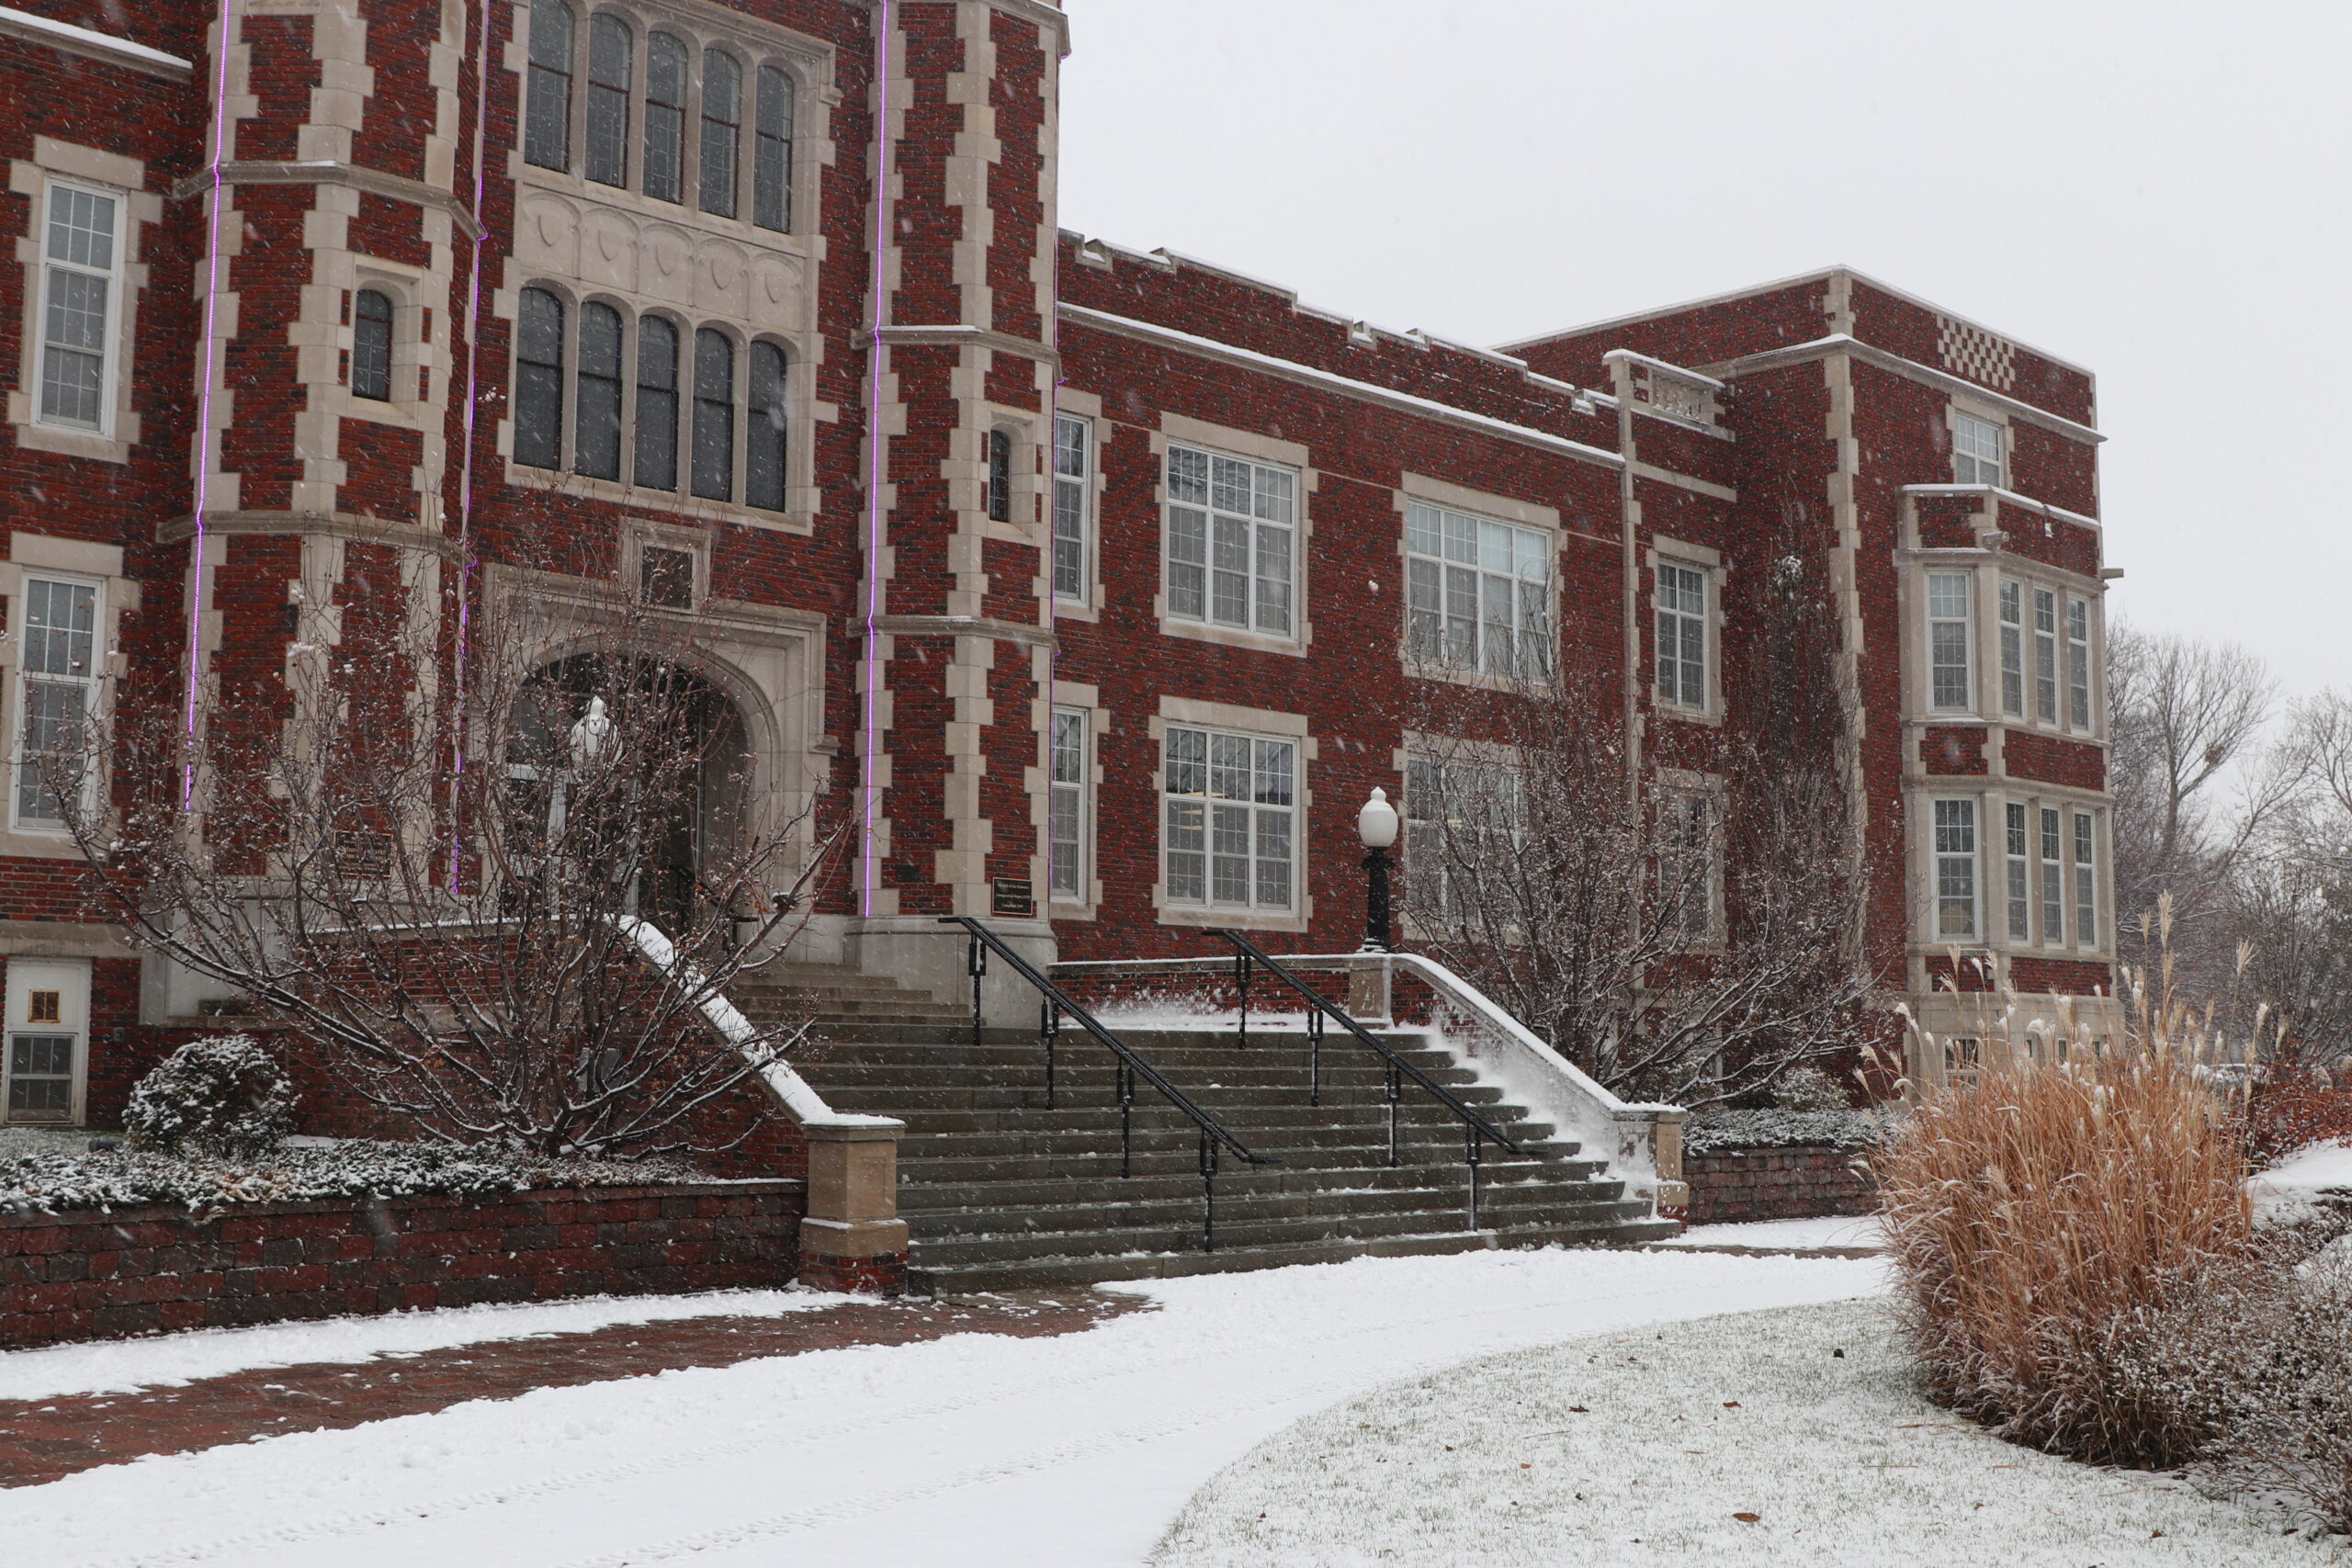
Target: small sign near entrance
pixel 363 854
pixel 1012 895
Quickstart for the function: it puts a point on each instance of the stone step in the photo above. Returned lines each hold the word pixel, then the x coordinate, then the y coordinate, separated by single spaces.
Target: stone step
pixel 1499 1201
pixel 1167 1133
pixel 1234 1108
pixel 933 1196
pixel 1076 1270
pixel 1181 1158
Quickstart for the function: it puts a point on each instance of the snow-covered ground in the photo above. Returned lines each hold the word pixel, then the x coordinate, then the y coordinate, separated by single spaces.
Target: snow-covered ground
pixel 1737 1442
pixel 1835 1230
pixel 980 1449
pixel 2292 1182
pixel 110 1365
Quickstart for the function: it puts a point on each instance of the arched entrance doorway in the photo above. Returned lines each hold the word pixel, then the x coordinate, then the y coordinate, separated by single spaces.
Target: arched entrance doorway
pixel 636 771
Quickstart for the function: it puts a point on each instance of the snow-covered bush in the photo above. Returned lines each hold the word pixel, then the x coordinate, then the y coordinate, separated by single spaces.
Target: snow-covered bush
pixel 224 1094
pixel 1811 1089
pixel 1722 1132
pixel 2044 1222
pixel 120 1179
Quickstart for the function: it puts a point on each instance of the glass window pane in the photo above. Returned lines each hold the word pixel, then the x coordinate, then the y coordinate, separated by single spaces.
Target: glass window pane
pixel 597 442
pixel 610 47
pixel 722 114
pixel 538 381
pixel 714 468
pixel 657 404
pixel 666 115
pixel 546 129
pixel 371 346
pixel 772 162
pixel 764 454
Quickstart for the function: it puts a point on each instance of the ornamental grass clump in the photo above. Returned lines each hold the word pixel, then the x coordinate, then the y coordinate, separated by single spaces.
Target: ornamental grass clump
pixel 2059 1221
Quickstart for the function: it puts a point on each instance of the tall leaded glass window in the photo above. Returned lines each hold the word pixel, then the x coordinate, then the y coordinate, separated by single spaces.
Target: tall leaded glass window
pixel 2053 879
pixel 2086 879
pixel 1230 537
pixel 547 121
pixel 1478 592
pixel 1681 636
pixel 371 346
pixel 1000 476
pixel 1955 869
pixel 764 434
pixel 1073 505
pixel 56 689
pixel 81 266
pixel 2078 663
pixel 665 116
pixel 2017 858
pixel 722 122
pixel 538 380
pixel 714 475
pixel 610 50
pixel 657 403
pixel 1229 803
pixel 772 154
pixel 596 429
pixel 1068 840
pixel 2045 655
pixel 2013 648
pixel 1951 686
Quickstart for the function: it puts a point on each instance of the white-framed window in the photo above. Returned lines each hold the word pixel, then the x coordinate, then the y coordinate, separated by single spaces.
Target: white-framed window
pixel 1950 672
pixel 1689 863
pixel 1682 636
pixel 2045 655
pixel 48 1030
pixel 1478 592
pixel 1230 820
pixel 2086 926
pixel 1232 542
pixel 650 403
pixel 2012 647
pixel 81 294
pixel 745 115
pixel 1976 450
pixel 2053 878
pixel 1066 839
pixel 2018 847
pixel 57 693
pixel 1073 509
pixel 2078 663
pixel 1461 817
pixel 1955 869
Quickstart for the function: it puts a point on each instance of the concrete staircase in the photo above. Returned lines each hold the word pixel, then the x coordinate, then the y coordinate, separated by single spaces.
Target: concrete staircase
pixel 999 1191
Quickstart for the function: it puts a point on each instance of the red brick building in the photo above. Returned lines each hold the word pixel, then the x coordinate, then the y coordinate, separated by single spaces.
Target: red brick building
pixel 334 314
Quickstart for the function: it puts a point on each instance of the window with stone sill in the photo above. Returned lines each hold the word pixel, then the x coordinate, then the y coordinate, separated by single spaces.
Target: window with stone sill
pixel 1229 823
pixel 644 79
pixel 1071 778
pixel 1955 869
pixel 1952 674
pixel 1477 593
pixel 1073 509
pixel 81 286
pixel 607 398
pixel 1977 452
pixel 57 696
pixel 1231 542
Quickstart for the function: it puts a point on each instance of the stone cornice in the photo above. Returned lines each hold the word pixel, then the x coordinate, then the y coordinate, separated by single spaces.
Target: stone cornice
pixel 957 336
pixel 329 172
pixel 336 525
pixel 70 39
pixel 1869 353
pixel 965 626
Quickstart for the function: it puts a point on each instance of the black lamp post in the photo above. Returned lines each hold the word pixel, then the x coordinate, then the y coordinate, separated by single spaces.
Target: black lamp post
pixel 1376 823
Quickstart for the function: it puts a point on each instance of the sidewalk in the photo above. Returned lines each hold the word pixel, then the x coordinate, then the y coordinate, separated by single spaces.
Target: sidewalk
pixel 46 1440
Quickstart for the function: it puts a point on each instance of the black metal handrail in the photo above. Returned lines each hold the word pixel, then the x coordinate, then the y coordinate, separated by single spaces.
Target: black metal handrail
pixel 1476 1131
pixel 1215 1137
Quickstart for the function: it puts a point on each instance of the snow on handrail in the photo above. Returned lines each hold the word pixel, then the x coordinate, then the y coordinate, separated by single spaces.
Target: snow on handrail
pixel 800 1097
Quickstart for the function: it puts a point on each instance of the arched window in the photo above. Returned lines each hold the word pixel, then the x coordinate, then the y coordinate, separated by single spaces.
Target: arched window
pixel 763 436
pixel 666 115
pixel 596 434
pixel 657 404
pixel 538 381
pixel 772 157
pixel 547 128
pixel 1000 476
pixel 722 119
pixel 714 415
pixel 371 346
pixel 610 46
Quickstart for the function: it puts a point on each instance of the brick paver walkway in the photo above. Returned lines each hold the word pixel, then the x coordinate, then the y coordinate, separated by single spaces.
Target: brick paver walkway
pixel 45 1439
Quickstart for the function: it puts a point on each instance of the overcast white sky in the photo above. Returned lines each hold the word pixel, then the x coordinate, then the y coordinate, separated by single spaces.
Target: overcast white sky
pixel 2157 191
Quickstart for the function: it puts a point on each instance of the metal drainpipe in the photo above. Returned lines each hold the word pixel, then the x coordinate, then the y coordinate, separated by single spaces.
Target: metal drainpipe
pixel 466 465
pixel 1628 508
pixel 208 362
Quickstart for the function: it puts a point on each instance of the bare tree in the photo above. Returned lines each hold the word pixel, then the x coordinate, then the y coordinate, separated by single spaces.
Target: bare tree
pixel 460 918
pixel 1696 947
pixel 2288 898
pixel 2187 721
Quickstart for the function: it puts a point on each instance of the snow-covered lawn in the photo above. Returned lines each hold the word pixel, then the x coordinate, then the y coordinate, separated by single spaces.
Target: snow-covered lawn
pixel 110 1366
pixel 1736 1443
pixel 2296 1180
pixel 1833 1230
pixel 1067 1452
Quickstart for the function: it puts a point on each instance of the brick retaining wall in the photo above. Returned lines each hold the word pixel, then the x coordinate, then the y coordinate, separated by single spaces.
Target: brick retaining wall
pixel 1776 1184
pixel 100 1276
